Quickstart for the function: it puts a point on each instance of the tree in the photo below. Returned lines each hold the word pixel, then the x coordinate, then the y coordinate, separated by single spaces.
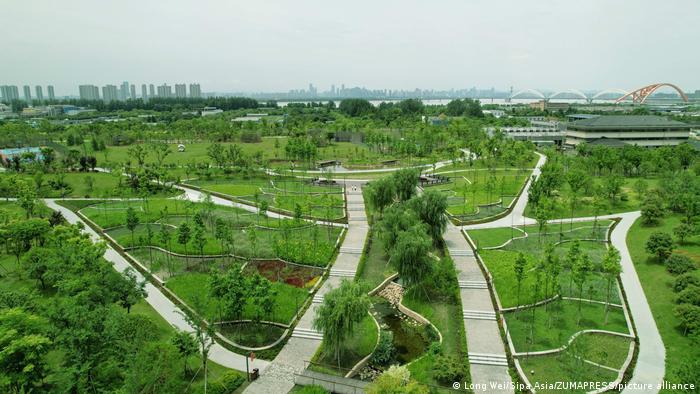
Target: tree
pixel 689 315
pixel 26 198
pixel 580 274
pixel 576 179
pixel 543 212
pixel 613 185
pixel 683 231
pixel 132 221
pixel 89 184
pixel 640 186
pixel 342 309
pixel 381 193
pixel 652 209
pixel 519 270
pixel 659 244
pixel 572 258
pixel 138 152
pixel 198 238
pixel 183 235
pixel 410 256
pixel 37 264
pixel 677 264
pixel 24 340
pixel 164 239
pixel 612 269
pixel 430 208
pixel 395 220
pixel 130 290
pixel 405 182
pixel 153 370
pixel 203 334
pixel 186 346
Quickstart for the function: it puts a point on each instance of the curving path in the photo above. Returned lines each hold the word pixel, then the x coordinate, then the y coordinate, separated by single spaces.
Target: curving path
pixel 650 367
pixel 162 304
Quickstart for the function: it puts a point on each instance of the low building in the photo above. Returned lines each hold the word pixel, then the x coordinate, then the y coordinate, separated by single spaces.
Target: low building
pixel 32 152
pixel 540 136
pixel 546 105
pixel 206 111
pixel 642 130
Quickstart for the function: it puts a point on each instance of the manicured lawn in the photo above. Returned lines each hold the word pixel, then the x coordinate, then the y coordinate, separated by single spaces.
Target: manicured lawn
pixel 584 207
pixel 375 268
pixel 558 323
pixel 193 288
pixel 553 232
pixel 470 188
pixel 658 288
pixel 360 343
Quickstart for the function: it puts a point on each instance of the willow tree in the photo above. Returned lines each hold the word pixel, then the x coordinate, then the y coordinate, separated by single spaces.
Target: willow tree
pixel 411 256
pixel 343 308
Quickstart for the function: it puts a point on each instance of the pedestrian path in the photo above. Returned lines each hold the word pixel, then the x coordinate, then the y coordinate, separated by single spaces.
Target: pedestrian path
pixel 278 377
pixel 162 304
pixel 488 361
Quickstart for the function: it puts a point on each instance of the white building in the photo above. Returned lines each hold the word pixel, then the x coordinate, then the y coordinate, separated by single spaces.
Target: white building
pixel 88 92
pixel 195 90
pixel 110 93
pixel 52 96
pixel 180 90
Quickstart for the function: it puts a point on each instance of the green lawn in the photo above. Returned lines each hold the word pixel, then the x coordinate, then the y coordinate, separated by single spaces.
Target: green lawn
pixel 658 288
pixel 375 268
pixel 558 323
pixel 356 347
pixel 554 232
pixel 194 287
pixel 628 201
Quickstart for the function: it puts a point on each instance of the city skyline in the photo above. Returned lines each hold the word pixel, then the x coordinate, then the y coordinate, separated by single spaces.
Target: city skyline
pixel 228 48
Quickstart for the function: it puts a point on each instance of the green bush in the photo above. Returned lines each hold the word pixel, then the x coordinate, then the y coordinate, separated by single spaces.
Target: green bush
pixel 435 348
pixel 678 264
pixel 228 383
pixel 448 369
pixel 313 389
pixel 385 351
pixel 684 281
pixel 691 295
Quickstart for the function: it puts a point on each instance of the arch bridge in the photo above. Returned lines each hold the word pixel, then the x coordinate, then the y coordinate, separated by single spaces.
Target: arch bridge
pixel 640 95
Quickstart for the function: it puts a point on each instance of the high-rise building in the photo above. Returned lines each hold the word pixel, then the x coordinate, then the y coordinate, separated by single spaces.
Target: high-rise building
pixel 49 89
pixel 9 93
pixel 195 90
pixel 27 93
pixel 88 92
pixel 124 91
pixel 39 92
pixel 144 92
pixel 132 92
pixel 110 93
pixel 180 90
pixel 165 91
pixel 151 91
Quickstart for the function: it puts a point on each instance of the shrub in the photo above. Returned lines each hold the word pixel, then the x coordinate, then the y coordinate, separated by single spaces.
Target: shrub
pixel 660 244
pixel 435 348
pixel 678 264
pixel 228 383
pixel 684 281
pixel 689 316
pixel 313 389
pixel 448 369
pixel 385 351
pixel 691 295
pixel 250 136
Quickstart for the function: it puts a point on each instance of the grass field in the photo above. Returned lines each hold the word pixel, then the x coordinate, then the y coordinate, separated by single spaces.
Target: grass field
pixel 103 185
pixel 469 189
pixel 360 344
pixel 628 201
pixel 284 193
pixel 658 288
pixel 568 366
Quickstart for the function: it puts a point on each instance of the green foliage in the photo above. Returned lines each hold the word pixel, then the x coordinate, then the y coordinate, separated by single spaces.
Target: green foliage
pixel 355 107
pixel 677 264
pixel 691 295
pixel 24 342
pixel 381 193
pixel 228 383
pixel 689 316
pixel 684 281
pixel 396 380
pixel 410 256
pixel 448 369
pixel 430 208
pixel 660 244
pixel 385 351
pixel 652 209
pixel 405 183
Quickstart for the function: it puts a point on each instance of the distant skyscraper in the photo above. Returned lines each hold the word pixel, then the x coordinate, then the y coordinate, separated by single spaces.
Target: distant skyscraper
pixel 39 92
pixel 52 96
pixel 180 90
pixel 144 92
pixel 151 91
pixel 27 93
pixel 195 90
pixel 132 92
pixel 165 91
pixel 124 91
pixel 9 93
pixel 88 92
pixel 110 93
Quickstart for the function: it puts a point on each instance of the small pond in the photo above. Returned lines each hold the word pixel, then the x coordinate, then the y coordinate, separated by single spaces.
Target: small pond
pixel 411 339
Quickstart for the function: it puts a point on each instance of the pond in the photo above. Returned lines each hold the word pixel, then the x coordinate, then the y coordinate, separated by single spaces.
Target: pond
pixel 411 339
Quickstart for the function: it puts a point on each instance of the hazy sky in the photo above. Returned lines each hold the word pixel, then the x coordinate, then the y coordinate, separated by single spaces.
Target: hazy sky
pixel 264 45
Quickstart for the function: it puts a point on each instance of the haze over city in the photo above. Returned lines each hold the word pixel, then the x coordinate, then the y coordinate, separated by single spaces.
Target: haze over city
pixel 234 46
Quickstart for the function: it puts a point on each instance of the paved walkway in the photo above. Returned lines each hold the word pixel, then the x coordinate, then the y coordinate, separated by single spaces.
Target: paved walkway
pixel 301 347
pixel 159 302
pixel 488 362
pixel 650 367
